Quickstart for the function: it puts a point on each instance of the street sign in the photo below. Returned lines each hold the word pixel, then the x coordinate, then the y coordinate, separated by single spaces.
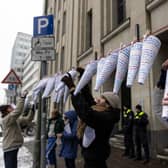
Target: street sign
pixel 43 25
pixel 11 78
pixel 43 54
pixel 11 87
pixel 11 93
pixel 43 42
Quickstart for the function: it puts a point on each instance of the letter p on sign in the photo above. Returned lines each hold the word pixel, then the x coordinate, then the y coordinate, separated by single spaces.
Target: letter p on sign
pixel 43 25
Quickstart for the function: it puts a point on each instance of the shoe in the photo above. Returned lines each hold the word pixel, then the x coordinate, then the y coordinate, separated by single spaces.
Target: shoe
pixel 146 161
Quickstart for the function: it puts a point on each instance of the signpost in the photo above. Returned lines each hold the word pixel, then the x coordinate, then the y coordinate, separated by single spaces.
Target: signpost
pixel 43 42
pixel 11 78
pixel 43 25
pixel 43 55
pixel 42 50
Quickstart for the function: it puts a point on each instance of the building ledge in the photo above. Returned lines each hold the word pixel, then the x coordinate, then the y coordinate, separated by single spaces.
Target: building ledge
pixel 85 54
pixel 154 4
pixel 116 31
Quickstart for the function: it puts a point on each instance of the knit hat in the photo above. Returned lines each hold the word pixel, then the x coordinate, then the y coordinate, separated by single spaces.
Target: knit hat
pixel 112 98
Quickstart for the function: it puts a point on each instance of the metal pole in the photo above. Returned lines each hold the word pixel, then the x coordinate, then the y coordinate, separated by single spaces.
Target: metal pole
pixel 43 120
pixel 37 142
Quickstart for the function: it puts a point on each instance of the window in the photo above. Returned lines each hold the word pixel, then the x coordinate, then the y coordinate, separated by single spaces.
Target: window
pixel 64 24
pixel 121 13
pixel 58 30
pixel 19 70
pixel 89 30
pixel 62 59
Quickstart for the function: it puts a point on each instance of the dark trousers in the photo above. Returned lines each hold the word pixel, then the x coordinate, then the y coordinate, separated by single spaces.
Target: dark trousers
pixel 141 140
pixel 10 159
pixel 129 144
pixel 70 163
pixel 95 164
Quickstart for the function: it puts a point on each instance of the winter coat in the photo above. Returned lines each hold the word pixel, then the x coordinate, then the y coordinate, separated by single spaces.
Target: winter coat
pixel 69 140
pixel 59 124
pixel 141 121
pixel 12 135
pixel 128 121
pixel 102 122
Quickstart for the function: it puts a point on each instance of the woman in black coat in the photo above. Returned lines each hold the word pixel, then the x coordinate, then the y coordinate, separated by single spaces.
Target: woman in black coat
pixel 100 117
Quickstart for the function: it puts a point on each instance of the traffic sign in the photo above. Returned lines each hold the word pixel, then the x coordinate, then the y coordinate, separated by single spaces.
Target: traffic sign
pixel 43 25
pixel 43 42
pixel 11 93
pixel 43 54
pixel 11 87
pixel 12 78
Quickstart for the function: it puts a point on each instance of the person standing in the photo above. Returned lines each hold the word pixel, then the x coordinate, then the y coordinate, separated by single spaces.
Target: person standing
pixel 100 116
pixel 128 122
pixel 12 135
pixel 141 138
pixel 55 128
pixel 69 139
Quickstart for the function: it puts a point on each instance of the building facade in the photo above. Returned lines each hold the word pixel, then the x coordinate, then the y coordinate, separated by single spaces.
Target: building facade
pixel 31 74
pixel 21 48
pixel 86 30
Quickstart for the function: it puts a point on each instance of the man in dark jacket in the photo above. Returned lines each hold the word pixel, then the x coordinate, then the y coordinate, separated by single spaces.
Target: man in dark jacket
pixel 55 128
pixel 141 138
pixel 69 139
pixel 100 118
pixel 128 116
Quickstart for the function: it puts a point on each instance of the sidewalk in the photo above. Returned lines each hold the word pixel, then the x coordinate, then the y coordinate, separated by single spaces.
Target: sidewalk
pixel 116 161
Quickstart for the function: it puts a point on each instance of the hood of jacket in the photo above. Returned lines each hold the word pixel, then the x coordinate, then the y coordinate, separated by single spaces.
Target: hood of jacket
pixel 71 115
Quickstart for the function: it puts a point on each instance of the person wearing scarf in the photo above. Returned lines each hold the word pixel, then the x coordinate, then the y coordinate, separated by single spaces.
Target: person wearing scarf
pixel 100 116
pixel 55 128
pixel 69 139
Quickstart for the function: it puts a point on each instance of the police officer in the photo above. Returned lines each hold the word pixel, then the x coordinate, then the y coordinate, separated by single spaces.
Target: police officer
pixel 141 139
pixel 128 120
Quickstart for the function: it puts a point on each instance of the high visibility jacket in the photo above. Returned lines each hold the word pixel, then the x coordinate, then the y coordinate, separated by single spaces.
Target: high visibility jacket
pixel 126 113
pixel 128 121
pixel 141 120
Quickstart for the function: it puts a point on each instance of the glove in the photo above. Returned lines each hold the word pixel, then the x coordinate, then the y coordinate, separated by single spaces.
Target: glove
pixel 81 71
pixel 67 79
pixel 162 80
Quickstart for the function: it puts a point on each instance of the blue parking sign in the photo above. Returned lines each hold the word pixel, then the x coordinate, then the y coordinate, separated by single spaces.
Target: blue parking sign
pixel 43 25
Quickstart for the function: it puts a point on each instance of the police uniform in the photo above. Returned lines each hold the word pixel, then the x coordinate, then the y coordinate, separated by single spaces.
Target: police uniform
pixel 128 132
pixel 141 139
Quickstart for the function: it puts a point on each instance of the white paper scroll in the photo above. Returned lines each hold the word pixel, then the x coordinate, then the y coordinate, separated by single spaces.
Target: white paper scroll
pixel 122 67
pixel 150 49
pixel 39 87
pixel 90 71
pixel 109 65
pixel 60 95
pixel 66 94
pixel 49 87
pixel 134 62
pixel 99 69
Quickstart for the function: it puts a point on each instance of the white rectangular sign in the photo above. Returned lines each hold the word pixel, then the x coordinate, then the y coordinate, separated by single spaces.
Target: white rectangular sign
pixel 43 42
pixel 43 54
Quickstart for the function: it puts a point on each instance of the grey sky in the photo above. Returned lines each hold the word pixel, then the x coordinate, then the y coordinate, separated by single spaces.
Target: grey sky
pixel 15 16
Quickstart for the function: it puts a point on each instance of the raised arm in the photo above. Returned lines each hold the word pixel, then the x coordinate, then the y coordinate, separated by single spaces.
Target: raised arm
pixel 13 116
